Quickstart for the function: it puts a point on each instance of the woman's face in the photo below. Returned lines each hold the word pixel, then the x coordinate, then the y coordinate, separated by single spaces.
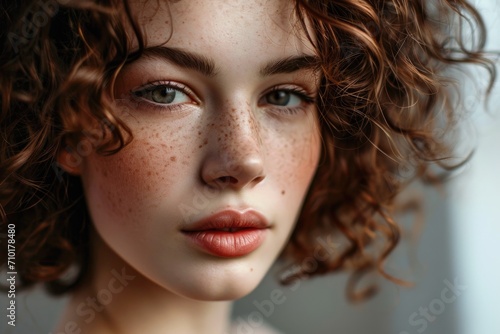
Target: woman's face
pixel 225 145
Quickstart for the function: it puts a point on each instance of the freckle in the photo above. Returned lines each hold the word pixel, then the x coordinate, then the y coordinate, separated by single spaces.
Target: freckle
pixel 149 173
pixel 105 173
pixel 149 187
pixel 205 142
pixel 282 192
pixel 173 158
pixel 251 269
pixel 199 132
pixel 129 210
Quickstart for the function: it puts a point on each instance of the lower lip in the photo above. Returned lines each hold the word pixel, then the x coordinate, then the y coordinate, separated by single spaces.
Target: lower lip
pixel 228 244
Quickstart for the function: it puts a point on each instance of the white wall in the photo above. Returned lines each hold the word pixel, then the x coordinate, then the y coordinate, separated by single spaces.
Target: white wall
pixel 475 210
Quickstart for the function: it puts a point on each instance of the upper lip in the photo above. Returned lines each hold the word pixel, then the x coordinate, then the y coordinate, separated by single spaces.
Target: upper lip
pixel 229 220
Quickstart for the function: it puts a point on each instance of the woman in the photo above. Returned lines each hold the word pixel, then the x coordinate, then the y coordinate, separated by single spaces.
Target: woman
pixel 169 151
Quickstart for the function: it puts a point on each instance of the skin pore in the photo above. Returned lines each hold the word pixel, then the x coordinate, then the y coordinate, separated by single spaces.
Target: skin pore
pixel 223 118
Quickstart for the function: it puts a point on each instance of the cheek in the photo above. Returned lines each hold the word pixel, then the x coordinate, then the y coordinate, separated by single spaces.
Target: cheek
pixel 297 160
pixel 130 184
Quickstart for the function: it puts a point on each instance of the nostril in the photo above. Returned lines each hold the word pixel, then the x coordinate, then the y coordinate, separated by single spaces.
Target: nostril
pixel 226 180
pixel 258 179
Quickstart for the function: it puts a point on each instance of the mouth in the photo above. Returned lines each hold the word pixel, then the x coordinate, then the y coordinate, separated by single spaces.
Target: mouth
pixel 230 229
pixel 228 233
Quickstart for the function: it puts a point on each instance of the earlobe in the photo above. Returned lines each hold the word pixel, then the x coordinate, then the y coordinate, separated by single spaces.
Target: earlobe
pixel 69 161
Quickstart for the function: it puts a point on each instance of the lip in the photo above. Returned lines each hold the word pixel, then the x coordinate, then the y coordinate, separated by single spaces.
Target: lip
pixel 228 233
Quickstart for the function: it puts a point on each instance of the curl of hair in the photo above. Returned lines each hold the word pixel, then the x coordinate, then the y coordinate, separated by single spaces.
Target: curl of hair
pixel 382 97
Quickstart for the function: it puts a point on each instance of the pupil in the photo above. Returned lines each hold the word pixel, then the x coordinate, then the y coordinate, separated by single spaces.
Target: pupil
pixel 279 97
pixel 163 95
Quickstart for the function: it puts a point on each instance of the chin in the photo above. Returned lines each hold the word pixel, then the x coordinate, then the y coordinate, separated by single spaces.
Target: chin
pixel 220 293
pixel 220 283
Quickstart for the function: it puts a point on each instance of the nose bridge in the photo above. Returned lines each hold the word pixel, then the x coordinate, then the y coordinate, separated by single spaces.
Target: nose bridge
pixel 239 134
pixel 238 157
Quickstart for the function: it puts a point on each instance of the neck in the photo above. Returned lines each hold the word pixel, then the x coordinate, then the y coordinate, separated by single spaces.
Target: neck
pixel 118 299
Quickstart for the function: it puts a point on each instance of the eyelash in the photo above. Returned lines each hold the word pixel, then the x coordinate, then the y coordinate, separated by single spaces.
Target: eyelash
pixel 306 98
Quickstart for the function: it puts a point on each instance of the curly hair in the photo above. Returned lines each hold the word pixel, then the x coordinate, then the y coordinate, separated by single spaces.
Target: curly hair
pixel 385 101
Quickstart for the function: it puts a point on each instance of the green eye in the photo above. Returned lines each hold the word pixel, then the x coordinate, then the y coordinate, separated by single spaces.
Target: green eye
pixel 278 97
pixel 163 94
pixel 285 98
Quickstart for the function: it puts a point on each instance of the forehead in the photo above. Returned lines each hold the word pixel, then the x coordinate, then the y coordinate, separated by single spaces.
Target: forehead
pixel 235 26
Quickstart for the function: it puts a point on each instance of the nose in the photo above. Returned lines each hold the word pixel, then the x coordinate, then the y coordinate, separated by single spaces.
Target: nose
pixel 234 159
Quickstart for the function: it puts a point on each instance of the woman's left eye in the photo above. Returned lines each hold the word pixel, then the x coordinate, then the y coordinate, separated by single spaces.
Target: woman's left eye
pixel 283 98
pixel 163 94
pixel 287 98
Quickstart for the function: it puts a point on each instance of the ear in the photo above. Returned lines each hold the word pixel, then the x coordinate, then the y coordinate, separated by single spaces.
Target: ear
pixel 69 161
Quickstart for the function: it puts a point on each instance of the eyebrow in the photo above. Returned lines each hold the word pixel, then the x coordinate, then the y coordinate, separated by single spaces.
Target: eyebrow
pixel 183 58
pixel 291 64
pixel 206 66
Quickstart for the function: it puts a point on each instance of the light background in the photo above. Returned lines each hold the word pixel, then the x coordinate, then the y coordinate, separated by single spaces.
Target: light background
pixel 460 241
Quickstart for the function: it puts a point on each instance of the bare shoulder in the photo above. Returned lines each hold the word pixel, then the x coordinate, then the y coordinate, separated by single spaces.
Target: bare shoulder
pixel 242 328
pixel 265 329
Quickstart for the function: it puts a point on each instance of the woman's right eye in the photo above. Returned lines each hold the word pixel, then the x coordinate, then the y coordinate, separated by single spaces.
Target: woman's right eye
pixel 164 94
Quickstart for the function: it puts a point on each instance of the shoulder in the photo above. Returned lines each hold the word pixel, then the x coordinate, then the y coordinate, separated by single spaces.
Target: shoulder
pixel 241 328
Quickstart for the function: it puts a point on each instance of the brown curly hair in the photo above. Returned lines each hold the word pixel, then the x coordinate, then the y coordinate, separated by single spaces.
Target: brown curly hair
pixel 384 102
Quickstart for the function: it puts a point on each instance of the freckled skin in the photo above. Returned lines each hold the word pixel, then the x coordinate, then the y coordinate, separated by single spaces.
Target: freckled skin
pixel 179 158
